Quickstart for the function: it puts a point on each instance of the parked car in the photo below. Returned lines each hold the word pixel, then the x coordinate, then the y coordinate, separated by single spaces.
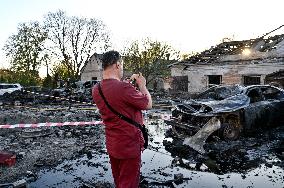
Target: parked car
pixel 9 88
pixel 240 109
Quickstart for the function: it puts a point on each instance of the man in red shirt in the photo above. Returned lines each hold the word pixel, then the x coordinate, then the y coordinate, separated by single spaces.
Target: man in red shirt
pixel 124 141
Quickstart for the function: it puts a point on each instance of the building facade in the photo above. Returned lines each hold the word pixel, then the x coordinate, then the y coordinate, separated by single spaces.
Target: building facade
pixel 236 62
pixel 92 70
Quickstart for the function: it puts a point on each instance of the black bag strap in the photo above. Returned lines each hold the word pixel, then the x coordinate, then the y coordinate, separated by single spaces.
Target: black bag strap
pixel 117 113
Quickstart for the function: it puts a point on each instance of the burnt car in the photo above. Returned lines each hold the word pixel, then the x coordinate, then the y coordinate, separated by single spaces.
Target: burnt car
pixel 240 109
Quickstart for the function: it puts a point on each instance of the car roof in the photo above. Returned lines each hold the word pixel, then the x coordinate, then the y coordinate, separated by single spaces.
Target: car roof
pixel 10 84
pixel 243 89
pixel 259 86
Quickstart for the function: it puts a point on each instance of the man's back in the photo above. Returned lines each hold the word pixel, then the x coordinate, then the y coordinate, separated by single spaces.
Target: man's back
pixel 123 140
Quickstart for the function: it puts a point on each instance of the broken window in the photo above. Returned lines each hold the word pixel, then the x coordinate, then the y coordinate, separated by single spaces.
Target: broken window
pixel 180 83
pixel 214 80
pixel 271 93
pixel 251 80
pixel 255 95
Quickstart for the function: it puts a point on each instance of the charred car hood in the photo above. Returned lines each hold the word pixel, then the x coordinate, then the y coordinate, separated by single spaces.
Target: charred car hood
pixel 205 106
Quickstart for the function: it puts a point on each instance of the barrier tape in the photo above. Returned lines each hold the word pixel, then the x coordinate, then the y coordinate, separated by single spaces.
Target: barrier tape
pixel 166 116
pixel 72 100
pixel 47 124
pixel 67 108
pixel 57 109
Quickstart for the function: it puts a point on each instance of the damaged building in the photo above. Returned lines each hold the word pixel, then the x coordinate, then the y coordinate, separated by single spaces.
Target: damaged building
pixel 276 78
pixel 246 62
pixel 92 70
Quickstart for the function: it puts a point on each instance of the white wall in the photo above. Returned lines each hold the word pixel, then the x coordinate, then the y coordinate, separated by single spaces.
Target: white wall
pixel 92 69
pixel 232 73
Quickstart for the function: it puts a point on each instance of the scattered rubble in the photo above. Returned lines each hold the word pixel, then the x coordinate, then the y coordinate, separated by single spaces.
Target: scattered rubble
pixel 78 153
pixel 47 113
pixel 38 95
pixel 233 156
pixel 37 148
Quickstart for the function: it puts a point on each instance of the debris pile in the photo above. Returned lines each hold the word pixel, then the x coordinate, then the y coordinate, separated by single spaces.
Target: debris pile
pixel 48 147
pixel 41 114
pixel 74 151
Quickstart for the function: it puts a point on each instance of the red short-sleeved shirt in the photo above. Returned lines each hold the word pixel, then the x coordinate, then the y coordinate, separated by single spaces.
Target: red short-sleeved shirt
pixel 123 140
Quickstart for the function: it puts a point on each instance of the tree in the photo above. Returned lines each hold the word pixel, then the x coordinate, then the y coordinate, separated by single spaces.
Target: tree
pixel 24 48
pixel 6 76
pixel 21 77
pixel 151 58
pixel 60 71
pixel 73 40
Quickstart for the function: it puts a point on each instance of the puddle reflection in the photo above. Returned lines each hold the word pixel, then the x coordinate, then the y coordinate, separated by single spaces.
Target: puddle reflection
pixel 159 165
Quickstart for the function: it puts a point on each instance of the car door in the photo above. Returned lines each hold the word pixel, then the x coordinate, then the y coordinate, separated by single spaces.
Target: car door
pixel 275 97
pixel 257 113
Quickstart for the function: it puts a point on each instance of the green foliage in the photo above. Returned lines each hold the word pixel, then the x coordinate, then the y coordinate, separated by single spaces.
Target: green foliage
pixel 24 48
pixel 73 40
pixel 25 78
pixel 62 71
pixel 6 76
pixel 48 82
pixel 151 58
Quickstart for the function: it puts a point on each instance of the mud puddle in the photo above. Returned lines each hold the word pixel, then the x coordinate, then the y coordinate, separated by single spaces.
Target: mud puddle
pixel 248 162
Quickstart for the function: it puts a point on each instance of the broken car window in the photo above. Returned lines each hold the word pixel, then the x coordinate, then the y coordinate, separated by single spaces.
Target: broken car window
pixel 271 93
pixel 255 95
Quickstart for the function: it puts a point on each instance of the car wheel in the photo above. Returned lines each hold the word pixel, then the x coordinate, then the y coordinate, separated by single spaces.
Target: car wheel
pixel 6 95
pixel 180 117
pixel 231 129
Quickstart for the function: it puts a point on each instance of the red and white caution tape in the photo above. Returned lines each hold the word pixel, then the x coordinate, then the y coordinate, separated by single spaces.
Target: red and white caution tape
pixel 166 116
pixel 49 124
pixel 62 98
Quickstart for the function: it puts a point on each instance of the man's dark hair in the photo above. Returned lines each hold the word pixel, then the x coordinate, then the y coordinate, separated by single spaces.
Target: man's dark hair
pixel 109 58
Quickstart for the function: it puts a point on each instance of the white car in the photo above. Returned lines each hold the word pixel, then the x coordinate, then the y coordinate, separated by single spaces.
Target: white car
pixel 9 88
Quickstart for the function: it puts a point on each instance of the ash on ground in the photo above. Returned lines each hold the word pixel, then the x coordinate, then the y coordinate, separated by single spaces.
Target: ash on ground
pixel 75 156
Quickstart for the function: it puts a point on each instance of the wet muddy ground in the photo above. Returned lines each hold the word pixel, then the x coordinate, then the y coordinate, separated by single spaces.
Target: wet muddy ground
pixel 76 157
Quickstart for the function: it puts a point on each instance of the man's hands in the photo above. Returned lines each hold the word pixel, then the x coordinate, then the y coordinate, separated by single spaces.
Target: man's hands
pixel 140 80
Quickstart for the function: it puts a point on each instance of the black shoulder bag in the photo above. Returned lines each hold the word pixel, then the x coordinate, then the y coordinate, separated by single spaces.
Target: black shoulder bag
pixel 143 129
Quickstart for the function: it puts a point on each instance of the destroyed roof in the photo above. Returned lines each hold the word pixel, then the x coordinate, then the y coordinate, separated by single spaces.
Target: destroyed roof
pixel 260 44
pixel 276 75
pixel 236 47
pixel 95 55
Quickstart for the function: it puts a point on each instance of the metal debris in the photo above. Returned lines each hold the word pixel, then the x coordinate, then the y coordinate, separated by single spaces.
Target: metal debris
pixel 198 140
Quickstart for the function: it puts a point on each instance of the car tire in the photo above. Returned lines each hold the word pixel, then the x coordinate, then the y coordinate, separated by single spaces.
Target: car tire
pixel 180 117
pixel 6 95
pixel 231 129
